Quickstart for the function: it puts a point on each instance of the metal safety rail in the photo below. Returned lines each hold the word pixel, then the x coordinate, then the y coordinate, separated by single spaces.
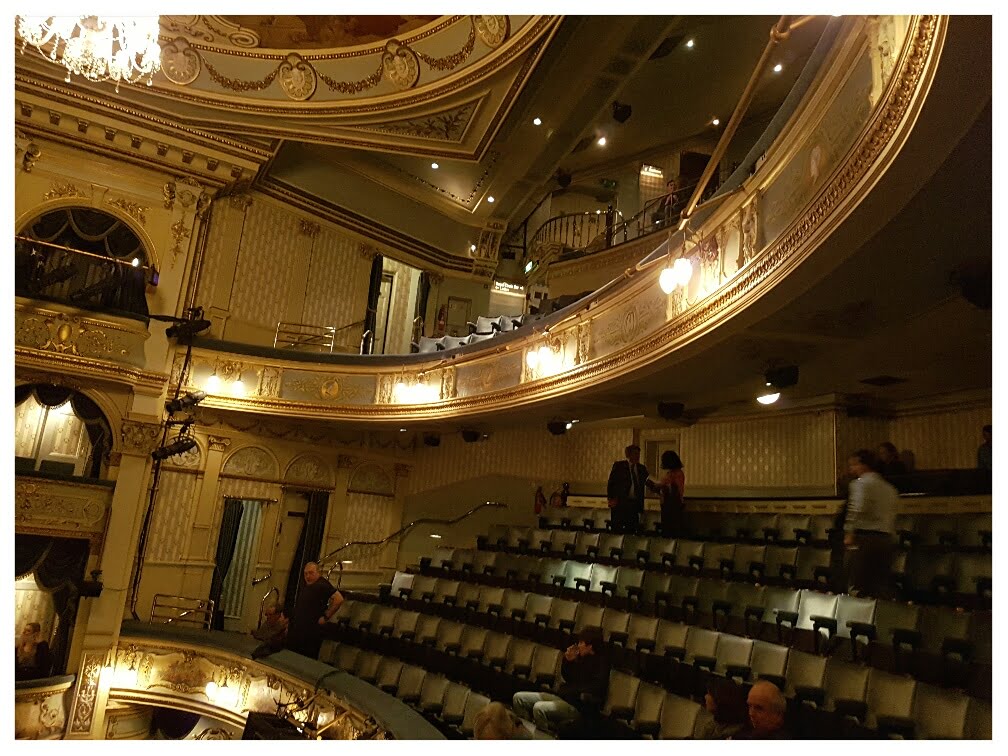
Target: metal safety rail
pixel 310 337
pixel 338 563
pixel 169 609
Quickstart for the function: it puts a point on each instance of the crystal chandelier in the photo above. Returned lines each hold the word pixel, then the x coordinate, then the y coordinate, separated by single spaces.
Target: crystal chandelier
pixel 99 48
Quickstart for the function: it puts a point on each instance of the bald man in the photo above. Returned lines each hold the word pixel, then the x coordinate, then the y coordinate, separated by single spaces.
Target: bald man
pixel 767 708
pixel 317 601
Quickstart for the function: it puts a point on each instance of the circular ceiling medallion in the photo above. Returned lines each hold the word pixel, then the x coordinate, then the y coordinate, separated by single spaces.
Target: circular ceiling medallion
pixel 492 30
pixel 179 62
pixel 400 65
pixel 297 77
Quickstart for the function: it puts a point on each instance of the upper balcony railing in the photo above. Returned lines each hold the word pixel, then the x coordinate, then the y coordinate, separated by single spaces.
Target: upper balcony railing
pixel 324 339
pixel 53 272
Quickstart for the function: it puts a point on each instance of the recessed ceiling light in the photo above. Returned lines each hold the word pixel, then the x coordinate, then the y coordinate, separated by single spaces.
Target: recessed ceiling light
pixel 490 198
pixel 402 430
pixel 472 247
pixel 768 398
pixel 601 141
pixel 435 166
pixel 689 43
pixel 570 425
pixel 537 121
pixel 716 121
pixel 434 535
pixel 778 68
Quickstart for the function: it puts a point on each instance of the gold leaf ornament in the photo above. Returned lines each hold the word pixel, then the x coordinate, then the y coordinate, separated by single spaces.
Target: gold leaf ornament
pixel 492 30
pixel 400 65
pixel 180 63
pixel 297 77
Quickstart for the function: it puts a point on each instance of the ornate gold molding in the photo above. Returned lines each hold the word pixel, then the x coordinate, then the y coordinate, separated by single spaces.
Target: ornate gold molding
pixel 133 209
pixel 62 190
pixel 140 438
pixel 218 443
pixel 86 693
pixel 61 508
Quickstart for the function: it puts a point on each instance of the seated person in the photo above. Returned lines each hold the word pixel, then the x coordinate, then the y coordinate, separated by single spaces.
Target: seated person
pixel 767 708
pixel 726 701
pixel 889 460
pixel 585 672
pixel 272 632
pixel 32 658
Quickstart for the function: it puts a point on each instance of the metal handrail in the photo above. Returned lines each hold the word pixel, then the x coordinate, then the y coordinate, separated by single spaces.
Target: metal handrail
pixel 103 258
pixel 262 604
pixel 204 609
pixel 290 335
pixel 367 338
pixel 422 521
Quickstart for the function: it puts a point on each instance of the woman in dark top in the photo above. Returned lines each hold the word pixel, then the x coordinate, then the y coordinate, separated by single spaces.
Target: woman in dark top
pixel 671 488
pixel 727 703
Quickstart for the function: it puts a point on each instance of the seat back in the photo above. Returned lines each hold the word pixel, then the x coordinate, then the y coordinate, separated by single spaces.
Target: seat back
pixel 473 641
pixel 971 568
pixel 742 595
pixel 562 610
pixel 584 540
pixel 895 615
pixel 622 693
pixel 490 595
pixel 701 642
pixel 495 647
pixel 484 561
pixel 768 659
pixel 979 718
pixel 629 577
pixel 845 682
pixel 654 583
pixel 746 554
pixel 601 573
pixel 615 621
pixel 715 553
pixel 442 557
pixel 811 558
pixel 561 539
pixel 889 696
pixel 546 661
pixel 670 635
pixel 405 622
pixel 974 530
pixel 686 549
pixel 411 682
pixel 641 627
pixel 455 698
pixel 473 706
pixel 939 623
pixel 610 543
pixel 427 344
pixel 852 609
pixel 778 557
pixel 427 628
pixel 940 712
pixel 787 524
pixel 804 671
pixel 468 593
pixel 517 535
pixel 577 571
pixel 587 615
pixel 709 591
pixel 433 691
pixel 648 707
pixel 678 717
pixel 388 672
pixel 814 604
pixel 633 544
pixel 449 633
pixel 366 666
pixel 401 580
pixel 519 654
pixel 446 589
pixel 345 657
pixel 537 603
pixel 779 600
pixel 733 651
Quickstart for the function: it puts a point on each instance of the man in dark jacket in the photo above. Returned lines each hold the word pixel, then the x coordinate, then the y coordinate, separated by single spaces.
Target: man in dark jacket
pixel 628 480
pixel 317 601
pixel 585 672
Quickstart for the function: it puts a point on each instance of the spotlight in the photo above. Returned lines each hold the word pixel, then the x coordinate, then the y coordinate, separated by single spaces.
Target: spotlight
pixel 778 68
pixel 621 112
pixel 716 122
pixel 490 198
pixel 178 446
pixel 471 436
pixel 435 166
pixel 537 121
pixel 783 377
pixel 184 402
pixel 556 427
pixel 601 141
pixel 432 439
pixel 187 328
pixel 689 43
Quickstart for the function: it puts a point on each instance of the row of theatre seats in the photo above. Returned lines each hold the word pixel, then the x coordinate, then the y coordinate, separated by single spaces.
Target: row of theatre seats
pixel 960 579
pixel 484 328
pixel 964 532
pixel 660 669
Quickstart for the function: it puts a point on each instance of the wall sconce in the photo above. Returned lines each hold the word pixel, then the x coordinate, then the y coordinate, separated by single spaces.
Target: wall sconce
pixel 676 272
pixel 213 382
pixel 415 392
pixel 547 358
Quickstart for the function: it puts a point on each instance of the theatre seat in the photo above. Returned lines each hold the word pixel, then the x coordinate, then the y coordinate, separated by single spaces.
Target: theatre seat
pixel 678 717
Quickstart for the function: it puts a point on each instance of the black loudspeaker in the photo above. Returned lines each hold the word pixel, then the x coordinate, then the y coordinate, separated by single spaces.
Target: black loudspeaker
pixel 471 436
pixel 782 377
pixel 621 112
pixel 556 427
pixel 432 439
pixel 563 179
pixel 670 410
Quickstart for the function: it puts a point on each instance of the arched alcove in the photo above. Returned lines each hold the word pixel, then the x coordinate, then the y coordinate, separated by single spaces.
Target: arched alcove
pixel 311 470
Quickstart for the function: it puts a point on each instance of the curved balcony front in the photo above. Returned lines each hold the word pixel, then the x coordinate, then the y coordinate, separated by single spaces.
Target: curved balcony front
pixel 841 140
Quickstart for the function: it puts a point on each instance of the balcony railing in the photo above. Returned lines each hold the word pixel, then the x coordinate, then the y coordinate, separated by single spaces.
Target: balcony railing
pixel 52 272
pixel 325 339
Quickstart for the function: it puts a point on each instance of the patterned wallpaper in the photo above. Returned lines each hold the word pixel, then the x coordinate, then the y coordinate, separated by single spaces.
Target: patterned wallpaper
pixel 173 516
pixel 368 519
pixel 789 451
pixel 32 604
pixel 941 439
pixel 337 281
pixel 321 280
pixel 265 273
pixel 27 424
pixel 400 322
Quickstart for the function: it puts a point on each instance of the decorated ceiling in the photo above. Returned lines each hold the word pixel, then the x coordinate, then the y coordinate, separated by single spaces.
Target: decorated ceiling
pixel 321 32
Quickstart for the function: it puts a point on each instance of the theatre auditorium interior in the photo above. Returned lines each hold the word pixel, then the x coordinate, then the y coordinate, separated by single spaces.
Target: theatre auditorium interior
pixel 335 338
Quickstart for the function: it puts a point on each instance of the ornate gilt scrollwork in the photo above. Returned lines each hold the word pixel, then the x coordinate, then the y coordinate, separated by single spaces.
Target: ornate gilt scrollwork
pixel 180 63
pixel 297 77
pixel 400 65
pixel 140 438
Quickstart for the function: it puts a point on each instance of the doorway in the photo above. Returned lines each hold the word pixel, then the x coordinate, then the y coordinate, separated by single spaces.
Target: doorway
pixel 236 586
pixel 382 314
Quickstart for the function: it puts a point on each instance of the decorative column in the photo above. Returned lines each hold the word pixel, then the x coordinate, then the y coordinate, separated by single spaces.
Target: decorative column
pixel 199 566
pixel 108 611
pixel 335 535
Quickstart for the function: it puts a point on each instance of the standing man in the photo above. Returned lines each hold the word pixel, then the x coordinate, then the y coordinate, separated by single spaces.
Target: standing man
pixel 317 601
pixel 627 482
pixel 870 528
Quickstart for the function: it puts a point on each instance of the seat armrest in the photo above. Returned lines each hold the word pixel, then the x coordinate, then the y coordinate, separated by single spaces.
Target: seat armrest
pixel 545 679
pixel 635 593
pixel 675 652
pixel 566 624
pixel 621 713
pixel 559 580
pixel 453 648
pixel 518 614
pixel 591 551
pixel 449 600
pixel 495 609
pixel 668 560
pixel 848 708
pixel 643 557
pixel 785 616
pixel 903 637
pixel 741 671
pixel 803 535
pixel 757 570
pixel 541 619
pixel 646 644
pixel 820 622
pixel 706 662
pixel 616 552
pixel 425 563
pixel 608 587
pixel 568 549
pixel 618 638
pixel 433 708
pixel 521 670
pixel 960 646
pixel 690 603
pixel 756 612
pixel 864 629
pixel 810 694
pixel 472 605
pixel 771 535
pixel 648 728
pixel 889 725
pixel 408 635
pixel 787 571
pixel 582 583
pixel 696 563
pixel 721 606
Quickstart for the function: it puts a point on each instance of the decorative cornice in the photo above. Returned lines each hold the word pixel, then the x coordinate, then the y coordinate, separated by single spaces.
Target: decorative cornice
pixel 218 443
pixel 140 438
